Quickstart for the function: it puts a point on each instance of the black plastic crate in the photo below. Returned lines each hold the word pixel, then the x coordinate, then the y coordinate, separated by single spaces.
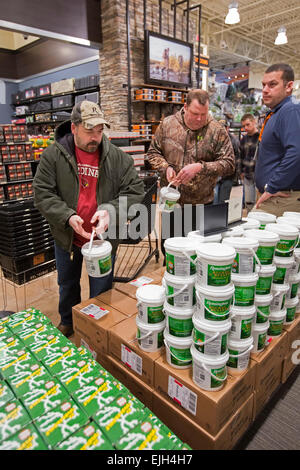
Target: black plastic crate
pixel 40 106
pixel 19 231
pixel 86 82
pixel 25 237
pixel 22 263
pixel 31 274
pixel 30 246
pixel 94 97
pixel 62 101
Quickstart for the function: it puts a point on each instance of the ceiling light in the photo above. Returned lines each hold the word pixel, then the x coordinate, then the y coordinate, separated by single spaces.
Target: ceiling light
pixel 281 36
pixel 233 16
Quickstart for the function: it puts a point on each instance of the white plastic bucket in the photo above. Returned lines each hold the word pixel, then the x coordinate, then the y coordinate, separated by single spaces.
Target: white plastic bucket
pixel 290 221
pixel 210 338
pixel 237 231
pixel 179 291
pixel 244 289
pixel 196 236
pixel 283 268
pixel 263 218
pixel 288 235
pixel 259 335
pixel 178 351
pixel 98 258
pixel 180 256
pixel 214 264
pixel 276 320
pixel 294 281
pixel 265 278
pixel 279 292
pixel 250 223
pixel 267 243
pixel 168 198
pixel 244 261
pixel 150 303
pixel 239 355
pixel 291 306
pixel 295 267
pixel 179 320
pixel 209 373
pixel 150 337
pixel 214 303
pixel 262 304
pixel 241 322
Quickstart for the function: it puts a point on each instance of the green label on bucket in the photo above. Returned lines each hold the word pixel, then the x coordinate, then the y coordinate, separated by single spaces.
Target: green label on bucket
pixel 263 285
pixel 105 264
pixel 232 361
pixel 294 290
pixel 219 310
pixel 244 296
pixel 243 264
pixel 179 327
pixel 179 265
pixel 261 341
pixel 279 275
pixel 221 374
pixel 262 226
pixel 246 327
pixel 155 314
pixel 275 328
pixel 265 254
pixel 169 204
pixel 180 357
pixel 285 247
pixel 290 314
pixel 218 275
pixel 216 347
pixel 265 309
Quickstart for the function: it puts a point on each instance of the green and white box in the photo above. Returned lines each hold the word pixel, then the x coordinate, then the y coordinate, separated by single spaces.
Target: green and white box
pixel 61 359
pixel 13 417
pixel 6 393
pixel 145 436
pixel 34 333
pixel 61 422
pixel 43 399
pixel 12 363
pixel 25 381
pixel 25 319
pixel 98 394
pixel 78 376
pixel 89 437
pixel 47 345
pixel 26 439
pixel 10 345
pixel 5 331
pixel 120 416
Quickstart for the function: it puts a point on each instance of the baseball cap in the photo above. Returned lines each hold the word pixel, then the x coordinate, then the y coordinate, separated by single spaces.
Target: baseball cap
pixel 88 114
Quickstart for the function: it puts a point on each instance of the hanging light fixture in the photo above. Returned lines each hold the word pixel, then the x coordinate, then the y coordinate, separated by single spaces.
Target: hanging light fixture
pixel 281 36
pixel 233 15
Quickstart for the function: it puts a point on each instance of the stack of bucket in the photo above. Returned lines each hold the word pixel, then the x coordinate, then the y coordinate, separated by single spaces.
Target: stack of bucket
pixel 211 322
pixel 179 284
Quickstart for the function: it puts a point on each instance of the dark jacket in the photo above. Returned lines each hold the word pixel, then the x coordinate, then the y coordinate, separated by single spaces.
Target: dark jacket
pixel 56 185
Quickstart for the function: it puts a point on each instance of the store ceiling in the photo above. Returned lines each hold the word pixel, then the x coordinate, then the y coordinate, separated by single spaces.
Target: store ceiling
pixel 253 38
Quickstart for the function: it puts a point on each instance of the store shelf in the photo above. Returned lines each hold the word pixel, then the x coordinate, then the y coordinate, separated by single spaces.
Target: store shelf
pixel 48 97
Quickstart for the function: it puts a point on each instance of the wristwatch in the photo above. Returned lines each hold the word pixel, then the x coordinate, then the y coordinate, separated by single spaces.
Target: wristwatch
pixel 266 187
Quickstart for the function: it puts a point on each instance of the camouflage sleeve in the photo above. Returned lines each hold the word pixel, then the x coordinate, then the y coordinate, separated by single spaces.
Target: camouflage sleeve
pixel 224 163
pixel 155 155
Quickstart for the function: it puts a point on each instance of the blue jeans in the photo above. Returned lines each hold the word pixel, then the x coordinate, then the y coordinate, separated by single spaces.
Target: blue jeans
pixel 68 278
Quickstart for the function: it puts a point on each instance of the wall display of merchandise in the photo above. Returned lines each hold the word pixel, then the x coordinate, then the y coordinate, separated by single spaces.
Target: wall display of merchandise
pixel 55 396
pixel 44 106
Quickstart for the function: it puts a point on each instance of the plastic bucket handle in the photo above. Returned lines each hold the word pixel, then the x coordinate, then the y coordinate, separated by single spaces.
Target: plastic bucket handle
pixel 176 293
pixel 289 250
pixel 213 375
pixel 189 258
pixel 209 340
pixel 243 353
pixel 141 338
pixel 91 241
pixel 172 354
pixel 209 311
pixel 263 314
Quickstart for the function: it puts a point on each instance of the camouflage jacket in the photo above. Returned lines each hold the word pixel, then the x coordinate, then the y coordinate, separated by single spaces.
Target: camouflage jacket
pixel 176 145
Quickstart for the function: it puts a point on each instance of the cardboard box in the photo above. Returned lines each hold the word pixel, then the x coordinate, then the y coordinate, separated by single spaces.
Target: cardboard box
pixel 293 334
pixel 119 301
pixel 137 387
pixel 95 332
pixel 130 288
pixel 123 347
pixel 210 410
pixel 271 383
pixel 197 437
pixel 289 365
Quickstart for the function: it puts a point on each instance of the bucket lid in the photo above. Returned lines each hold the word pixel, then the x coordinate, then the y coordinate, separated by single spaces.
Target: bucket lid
pixel 243 311
pixel 180 243
pixel 150 293
pixel 170 193
pixel 278 315
pixel 289 220
pixel 262 235
pixel 217 251
pixel 237 231
pixel 280 287
pixel 262 216
pixel 180 341
pixel 219 292
pixel 292 302
pixel 291 214
pixel 150 326
pixel 251 278
pixel 262 300
pixel 170 278
pixel 283 260
pixel 201 238
pixel 283 229
pixel 250 223
pixel 240 343
pixel 99 248
pixel 210 360
pixel 241 242
pixel 267 269
pixel 211 325
pixel 260 327
pixel 188 312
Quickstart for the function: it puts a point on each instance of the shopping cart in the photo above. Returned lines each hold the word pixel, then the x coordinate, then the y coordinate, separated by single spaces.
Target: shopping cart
pixel 134 252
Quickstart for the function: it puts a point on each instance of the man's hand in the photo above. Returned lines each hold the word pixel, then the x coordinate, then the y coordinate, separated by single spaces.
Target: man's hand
pixel 265 196
pixel 187 173
pixel 101 218
pixel 75 221
pixel 170 174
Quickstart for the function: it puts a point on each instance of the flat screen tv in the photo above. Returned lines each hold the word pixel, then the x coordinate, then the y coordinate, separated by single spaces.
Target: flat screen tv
pixel 168 61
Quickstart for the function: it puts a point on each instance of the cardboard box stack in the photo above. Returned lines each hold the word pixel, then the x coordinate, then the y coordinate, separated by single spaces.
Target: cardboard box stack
pixel 54 395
